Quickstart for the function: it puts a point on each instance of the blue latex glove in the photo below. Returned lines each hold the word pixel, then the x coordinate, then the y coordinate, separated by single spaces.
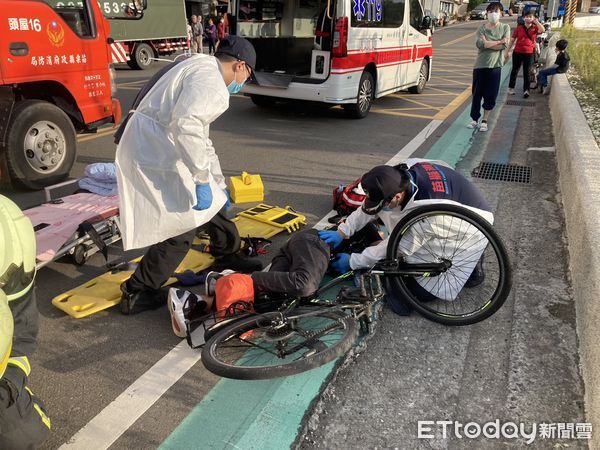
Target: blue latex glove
pixel 341 264
pixel 331 237
pixel 228 202
pixel 204 196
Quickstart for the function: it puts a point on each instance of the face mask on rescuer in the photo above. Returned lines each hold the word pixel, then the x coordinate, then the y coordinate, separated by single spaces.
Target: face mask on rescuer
pixel 494 17
pixel 234 87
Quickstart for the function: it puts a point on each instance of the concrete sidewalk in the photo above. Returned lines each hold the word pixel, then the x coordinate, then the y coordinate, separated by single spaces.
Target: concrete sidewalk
pixel 520 366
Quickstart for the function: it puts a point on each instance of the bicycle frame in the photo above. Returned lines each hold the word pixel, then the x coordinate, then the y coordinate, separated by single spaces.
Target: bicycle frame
pixel 369 285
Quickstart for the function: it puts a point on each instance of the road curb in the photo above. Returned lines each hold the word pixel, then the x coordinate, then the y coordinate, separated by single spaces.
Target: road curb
pixel 578 158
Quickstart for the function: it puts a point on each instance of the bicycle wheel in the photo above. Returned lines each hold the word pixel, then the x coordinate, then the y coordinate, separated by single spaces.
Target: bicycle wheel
pixel 480 277
pixel 254 349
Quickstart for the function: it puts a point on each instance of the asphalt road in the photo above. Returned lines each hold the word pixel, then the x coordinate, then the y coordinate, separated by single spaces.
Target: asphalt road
pixel 302 152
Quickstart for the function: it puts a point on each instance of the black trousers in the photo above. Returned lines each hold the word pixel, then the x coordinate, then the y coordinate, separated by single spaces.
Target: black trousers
pixel 161 260
pixel 298 268
pixel 518 59
pixel 23 420
pixel 486 84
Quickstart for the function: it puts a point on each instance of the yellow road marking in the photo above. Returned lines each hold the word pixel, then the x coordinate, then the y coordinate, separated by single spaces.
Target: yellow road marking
pixel 463 72
pixel 445 64
pixel 432 86
pixel 401 96
pixel 453 81
pixel 462 38
pixel 99 134
pixel 399 114
pixel 453 105
pixel 416 102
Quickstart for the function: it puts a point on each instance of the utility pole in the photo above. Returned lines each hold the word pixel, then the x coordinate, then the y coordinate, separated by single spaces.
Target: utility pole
pixel 570 12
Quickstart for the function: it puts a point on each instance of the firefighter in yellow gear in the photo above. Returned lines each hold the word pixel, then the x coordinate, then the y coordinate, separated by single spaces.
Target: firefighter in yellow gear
pixel 23 420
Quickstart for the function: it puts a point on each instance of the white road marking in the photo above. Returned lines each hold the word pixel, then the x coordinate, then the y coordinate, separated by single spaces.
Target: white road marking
pixel 104 429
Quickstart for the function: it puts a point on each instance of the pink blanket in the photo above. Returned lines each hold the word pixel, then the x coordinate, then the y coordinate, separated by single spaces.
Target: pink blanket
pixel 56 223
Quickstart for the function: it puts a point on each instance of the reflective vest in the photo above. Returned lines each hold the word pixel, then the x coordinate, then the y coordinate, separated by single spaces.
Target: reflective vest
pixel 17 258
pixel 6 332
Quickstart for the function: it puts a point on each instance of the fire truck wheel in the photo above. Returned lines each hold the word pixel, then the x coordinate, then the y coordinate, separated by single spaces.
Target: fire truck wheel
pixel 422 80
pixel 364 97
pixel 142 57
pixel 40 144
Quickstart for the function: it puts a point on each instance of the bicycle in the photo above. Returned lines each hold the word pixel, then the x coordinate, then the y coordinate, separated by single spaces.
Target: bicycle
pixel 432 254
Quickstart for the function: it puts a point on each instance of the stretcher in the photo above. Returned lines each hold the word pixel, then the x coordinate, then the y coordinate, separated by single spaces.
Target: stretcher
pixel 103 292
pixel 78 225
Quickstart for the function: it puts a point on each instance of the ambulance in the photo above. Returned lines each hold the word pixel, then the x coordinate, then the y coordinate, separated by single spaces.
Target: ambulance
pixel 345 52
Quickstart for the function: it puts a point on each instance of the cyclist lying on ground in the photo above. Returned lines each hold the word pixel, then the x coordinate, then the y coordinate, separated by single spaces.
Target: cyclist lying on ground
pixel 298 269
pixel 391 193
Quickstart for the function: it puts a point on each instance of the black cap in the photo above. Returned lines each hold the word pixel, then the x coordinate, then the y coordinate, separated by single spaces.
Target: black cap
pixel 381 184
pixel 239 48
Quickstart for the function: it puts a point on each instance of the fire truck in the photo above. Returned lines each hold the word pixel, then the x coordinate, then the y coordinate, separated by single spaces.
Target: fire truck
pixel 55 82
pixel 161 32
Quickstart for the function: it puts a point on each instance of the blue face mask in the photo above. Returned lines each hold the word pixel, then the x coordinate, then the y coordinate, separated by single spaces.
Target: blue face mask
pixel 386 208
pixel 234 87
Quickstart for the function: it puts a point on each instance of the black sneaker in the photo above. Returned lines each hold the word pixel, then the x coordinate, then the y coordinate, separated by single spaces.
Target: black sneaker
pixel 526 94
pixel 477 276
pixel 237 262
pixel 133 302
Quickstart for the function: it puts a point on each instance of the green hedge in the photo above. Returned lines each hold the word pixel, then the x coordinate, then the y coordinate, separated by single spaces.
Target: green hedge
pixel 584 50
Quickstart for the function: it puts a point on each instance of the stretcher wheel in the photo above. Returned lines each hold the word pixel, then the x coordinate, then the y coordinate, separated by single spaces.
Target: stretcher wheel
pixel 79 255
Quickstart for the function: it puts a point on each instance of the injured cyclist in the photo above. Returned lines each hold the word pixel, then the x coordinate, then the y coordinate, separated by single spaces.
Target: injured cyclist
pixel 298 269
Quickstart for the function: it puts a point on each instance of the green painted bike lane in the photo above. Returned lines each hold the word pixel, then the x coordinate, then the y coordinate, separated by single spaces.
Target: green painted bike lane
pixel 268 414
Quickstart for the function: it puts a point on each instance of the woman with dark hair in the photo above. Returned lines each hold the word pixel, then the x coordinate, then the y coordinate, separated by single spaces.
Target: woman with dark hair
pixel 524 38
pixel 211 36
pixel 492 39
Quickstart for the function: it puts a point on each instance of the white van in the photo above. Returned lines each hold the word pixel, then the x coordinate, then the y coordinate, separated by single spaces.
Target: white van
pixel 345 52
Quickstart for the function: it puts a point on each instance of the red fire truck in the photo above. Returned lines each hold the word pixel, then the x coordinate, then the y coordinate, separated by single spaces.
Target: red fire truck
pixel 55 82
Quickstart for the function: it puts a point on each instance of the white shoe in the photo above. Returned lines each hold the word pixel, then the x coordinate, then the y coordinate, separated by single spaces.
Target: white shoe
pixel 211 281
pixel 483 127
pixel 180 301
pixel 546 90
pixel 472 124
pixel 511 91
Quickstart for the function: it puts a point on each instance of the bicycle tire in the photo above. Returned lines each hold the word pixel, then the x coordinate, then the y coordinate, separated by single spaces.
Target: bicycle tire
pixel 502 289
pixel 228 370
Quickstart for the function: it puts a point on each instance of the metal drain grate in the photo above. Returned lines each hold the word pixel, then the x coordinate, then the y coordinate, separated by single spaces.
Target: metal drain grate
pixel 503 172
pixel 519 103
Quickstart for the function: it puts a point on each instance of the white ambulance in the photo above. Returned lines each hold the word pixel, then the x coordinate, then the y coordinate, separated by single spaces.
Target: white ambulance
pixel 345 52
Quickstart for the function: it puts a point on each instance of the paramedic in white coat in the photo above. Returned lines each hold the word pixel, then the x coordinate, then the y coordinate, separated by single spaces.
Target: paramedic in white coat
pixel 391 193
pixel 169 177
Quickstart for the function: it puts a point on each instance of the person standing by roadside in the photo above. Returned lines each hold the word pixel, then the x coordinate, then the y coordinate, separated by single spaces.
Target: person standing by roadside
pixel 221 29
pixel 492 40
pixel 211 36
pixel 197 34
pixel 523 39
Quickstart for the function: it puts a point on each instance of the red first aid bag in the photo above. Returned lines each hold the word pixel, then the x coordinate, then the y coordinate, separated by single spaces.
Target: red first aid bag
pixel 348 198
pixel 234 294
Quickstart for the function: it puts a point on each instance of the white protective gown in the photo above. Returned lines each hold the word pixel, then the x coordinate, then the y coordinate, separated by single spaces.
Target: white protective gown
pixel 165 151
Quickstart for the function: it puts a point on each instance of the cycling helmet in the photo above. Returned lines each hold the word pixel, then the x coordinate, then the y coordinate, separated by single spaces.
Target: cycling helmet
pixel 381 184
